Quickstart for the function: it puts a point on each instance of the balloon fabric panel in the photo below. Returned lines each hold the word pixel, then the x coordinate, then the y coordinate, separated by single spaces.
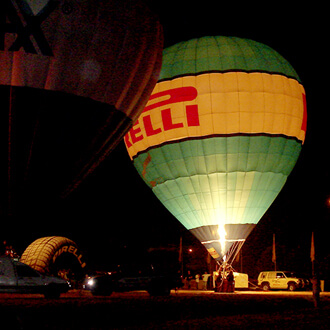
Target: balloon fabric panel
pixel 226 104
pixel 224 181
pixel 79 41
pixel 222 54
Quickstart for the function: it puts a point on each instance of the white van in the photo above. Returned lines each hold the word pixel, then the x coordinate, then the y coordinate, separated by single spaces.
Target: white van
pixel 282 280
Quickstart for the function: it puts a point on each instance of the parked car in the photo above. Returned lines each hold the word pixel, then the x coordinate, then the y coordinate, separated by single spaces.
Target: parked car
pixel 16 277
pixel 122 281
pixel 282 280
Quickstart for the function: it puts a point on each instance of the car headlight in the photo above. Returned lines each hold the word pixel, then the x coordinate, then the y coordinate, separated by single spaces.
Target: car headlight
pixel 90 282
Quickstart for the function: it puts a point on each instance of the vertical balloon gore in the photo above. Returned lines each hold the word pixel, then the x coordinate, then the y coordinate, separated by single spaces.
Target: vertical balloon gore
pixel 74 77
pixel 219 136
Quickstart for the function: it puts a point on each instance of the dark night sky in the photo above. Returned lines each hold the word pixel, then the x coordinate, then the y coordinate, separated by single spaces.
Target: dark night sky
pixel 114 208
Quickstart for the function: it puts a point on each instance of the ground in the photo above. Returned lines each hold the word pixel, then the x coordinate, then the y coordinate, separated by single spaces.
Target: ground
pixel 182 310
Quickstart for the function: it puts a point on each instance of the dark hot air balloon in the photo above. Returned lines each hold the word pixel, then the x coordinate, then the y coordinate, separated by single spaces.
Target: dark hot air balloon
pixel 74 76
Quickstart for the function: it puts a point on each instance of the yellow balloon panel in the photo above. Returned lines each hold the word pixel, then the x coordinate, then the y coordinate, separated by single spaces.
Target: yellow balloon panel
pixel 216 104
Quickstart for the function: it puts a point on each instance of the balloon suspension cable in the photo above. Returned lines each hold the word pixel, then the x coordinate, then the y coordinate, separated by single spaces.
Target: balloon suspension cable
pixel 232 253
pixel 226 265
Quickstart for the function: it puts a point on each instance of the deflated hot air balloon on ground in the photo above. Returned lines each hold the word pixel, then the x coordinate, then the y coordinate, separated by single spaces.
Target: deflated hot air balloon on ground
pixel 219 136
pixel 74 75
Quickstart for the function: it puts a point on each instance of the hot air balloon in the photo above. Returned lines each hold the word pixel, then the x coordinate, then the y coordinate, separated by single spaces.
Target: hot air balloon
pixel 219 136
pixel 74 77
pixel 50 254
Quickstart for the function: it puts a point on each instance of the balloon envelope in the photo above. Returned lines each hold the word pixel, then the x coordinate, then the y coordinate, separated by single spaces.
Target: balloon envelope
pixel 44 253
pixel 219 136
pixel 74 76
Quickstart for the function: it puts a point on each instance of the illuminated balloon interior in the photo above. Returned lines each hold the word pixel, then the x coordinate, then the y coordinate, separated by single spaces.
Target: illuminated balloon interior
pixel 219 136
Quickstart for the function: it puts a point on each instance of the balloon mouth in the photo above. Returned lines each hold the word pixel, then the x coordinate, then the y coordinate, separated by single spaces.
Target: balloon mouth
pixel 219 250
pixel 222 238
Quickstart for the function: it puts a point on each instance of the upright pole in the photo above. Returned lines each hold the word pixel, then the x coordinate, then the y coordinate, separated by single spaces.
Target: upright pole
pixel 274 253
pixel 241 252
pixel 181 256
pixel 313 255
pixel 315 279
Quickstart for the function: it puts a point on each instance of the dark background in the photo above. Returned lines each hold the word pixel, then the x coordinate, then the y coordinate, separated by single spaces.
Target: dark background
pixel 114 214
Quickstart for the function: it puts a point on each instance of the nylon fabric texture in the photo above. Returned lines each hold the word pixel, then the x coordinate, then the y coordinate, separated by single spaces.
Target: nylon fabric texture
pixel 219 136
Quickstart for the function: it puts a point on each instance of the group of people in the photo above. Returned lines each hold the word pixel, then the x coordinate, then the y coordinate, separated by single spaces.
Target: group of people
pixel 199 282
pixel 9 251
pixel 222 280
pixel 225 281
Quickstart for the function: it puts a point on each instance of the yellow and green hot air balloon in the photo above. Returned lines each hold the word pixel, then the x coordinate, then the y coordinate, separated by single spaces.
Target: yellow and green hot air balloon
pixel 219 136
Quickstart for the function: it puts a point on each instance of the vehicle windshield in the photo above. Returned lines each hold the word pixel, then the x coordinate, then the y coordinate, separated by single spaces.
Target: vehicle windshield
pixel 290 274
pixel 25 271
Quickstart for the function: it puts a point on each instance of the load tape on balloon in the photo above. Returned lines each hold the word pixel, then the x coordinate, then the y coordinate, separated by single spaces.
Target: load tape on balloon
pixel 219 136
